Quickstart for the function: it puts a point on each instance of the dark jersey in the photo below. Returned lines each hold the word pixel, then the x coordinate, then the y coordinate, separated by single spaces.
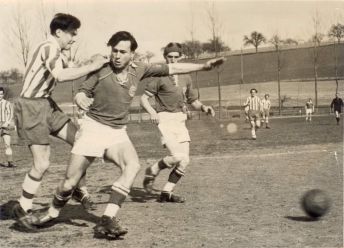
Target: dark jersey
pixel 112 97
pixel 171 93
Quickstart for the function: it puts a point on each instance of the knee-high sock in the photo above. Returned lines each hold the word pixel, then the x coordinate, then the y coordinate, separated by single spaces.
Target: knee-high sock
pixel 30 187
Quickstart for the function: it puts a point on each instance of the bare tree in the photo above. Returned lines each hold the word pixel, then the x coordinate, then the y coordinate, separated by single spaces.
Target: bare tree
pixel 19 37
pixel 44 15
pixel 316 39
pixel 277 42
pixel 336 32
pixel 215 25
pixel 255 39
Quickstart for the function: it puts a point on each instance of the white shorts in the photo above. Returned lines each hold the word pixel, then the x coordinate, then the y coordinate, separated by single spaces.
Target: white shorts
pixel 172 127
pixel 94 138
pixel 309 111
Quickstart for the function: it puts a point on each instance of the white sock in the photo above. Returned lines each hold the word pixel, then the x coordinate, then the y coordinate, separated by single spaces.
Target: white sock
pixel 169 187
pixel 25 203
pixel 54 212
pixel 111 210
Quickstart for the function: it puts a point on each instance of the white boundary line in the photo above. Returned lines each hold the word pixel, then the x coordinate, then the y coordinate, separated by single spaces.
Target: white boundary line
pixel 258 155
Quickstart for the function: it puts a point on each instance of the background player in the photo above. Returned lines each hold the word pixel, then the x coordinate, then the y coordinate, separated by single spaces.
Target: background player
pixel 336 106
pixel 37 115
pixel 266 105
pixel 171 96
pixel 255 107
pixel 6 125
pixel 309 108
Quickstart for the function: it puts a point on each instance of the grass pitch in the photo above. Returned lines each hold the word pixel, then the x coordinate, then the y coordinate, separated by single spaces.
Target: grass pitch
pixel 240 192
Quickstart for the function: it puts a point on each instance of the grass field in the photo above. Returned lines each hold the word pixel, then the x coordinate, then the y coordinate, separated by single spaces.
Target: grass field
pixel 240 193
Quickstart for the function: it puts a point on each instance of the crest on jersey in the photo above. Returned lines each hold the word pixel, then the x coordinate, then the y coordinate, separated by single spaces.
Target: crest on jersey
pixel 132 91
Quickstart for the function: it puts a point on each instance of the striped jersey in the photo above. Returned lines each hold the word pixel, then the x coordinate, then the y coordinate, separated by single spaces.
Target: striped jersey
pixel 266 103
pixel 254 103
pixel 6 112
pixel 43 68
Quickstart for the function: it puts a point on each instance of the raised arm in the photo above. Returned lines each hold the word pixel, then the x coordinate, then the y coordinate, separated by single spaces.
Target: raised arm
pixel 180 68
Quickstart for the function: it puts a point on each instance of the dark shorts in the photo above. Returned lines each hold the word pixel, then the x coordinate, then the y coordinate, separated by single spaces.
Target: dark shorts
pixel 254 115
pixel 37 118
pixel 339 110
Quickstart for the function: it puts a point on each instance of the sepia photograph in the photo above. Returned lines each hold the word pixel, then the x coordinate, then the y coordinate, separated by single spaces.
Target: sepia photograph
pixel 171 123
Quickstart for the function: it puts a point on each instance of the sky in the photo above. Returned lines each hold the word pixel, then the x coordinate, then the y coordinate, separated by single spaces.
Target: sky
pixel 154 23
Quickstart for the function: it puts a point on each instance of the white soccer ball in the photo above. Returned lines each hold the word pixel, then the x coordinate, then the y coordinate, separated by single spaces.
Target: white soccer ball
pixel 232 128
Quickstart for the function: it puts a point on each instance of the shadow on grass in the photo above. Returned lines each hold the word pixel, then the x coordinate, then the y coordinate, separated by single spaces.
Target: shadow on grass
pixel 301 218
pixel 68 215
pixel 136 194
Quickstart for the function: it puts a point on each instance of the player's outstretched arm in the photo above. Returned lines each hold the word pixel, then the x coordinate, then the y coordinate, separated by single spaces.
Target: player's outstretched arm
pixel 74 73
pixel 180 68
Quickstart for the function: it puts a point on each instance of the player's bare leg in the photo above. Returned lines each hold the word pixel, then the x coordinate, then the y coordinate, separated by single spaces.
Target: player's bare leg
pixel 180 156
pixel 337 117
pixel 253 129
pixel 75 170
pixel 8 150
pixel 124 155
pixel 80 194
pixel 22 210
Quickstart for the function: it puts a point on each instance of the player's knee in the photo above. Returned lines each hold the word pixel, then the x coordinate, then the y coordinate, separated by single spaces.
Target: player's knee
pixel 181 158
pixel 39 169
pixel 183 164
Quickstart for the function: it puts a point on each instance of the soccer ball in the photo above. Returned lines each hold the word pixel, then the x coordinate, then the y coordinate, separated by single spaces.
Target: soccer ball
pixel 315 203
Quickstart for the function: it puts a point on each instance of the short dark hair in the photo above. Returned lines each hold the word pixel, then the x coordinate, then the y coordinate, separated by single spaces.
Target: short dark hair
pixel 173 47
pixel 65 22
pixel 2 89
pixel 253 89
pixel 123 36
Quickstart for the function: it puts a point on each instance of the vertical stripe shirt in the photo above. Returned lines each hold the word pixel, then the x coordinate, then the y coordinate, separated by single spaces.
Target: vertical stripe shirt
pixel 254 103
pixel 44 66
pixel 6 112
pixel 266 103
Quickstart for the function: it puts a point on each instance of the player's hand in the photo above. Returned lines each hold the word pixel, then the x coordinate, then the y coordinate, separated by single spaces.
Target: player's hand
pixel 98 61
pixel 154 118
pixel 83 101
pixel 211 64
pixel 209 110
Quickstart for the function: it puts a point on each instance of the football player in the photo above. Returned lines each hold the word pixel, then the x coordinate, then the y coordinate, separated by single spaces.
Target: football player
pixel 255 107
pixel 309 108
pixel 6 125
pixel 336 106
pixel 266 105
pixel 171 96
pixel 38 116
